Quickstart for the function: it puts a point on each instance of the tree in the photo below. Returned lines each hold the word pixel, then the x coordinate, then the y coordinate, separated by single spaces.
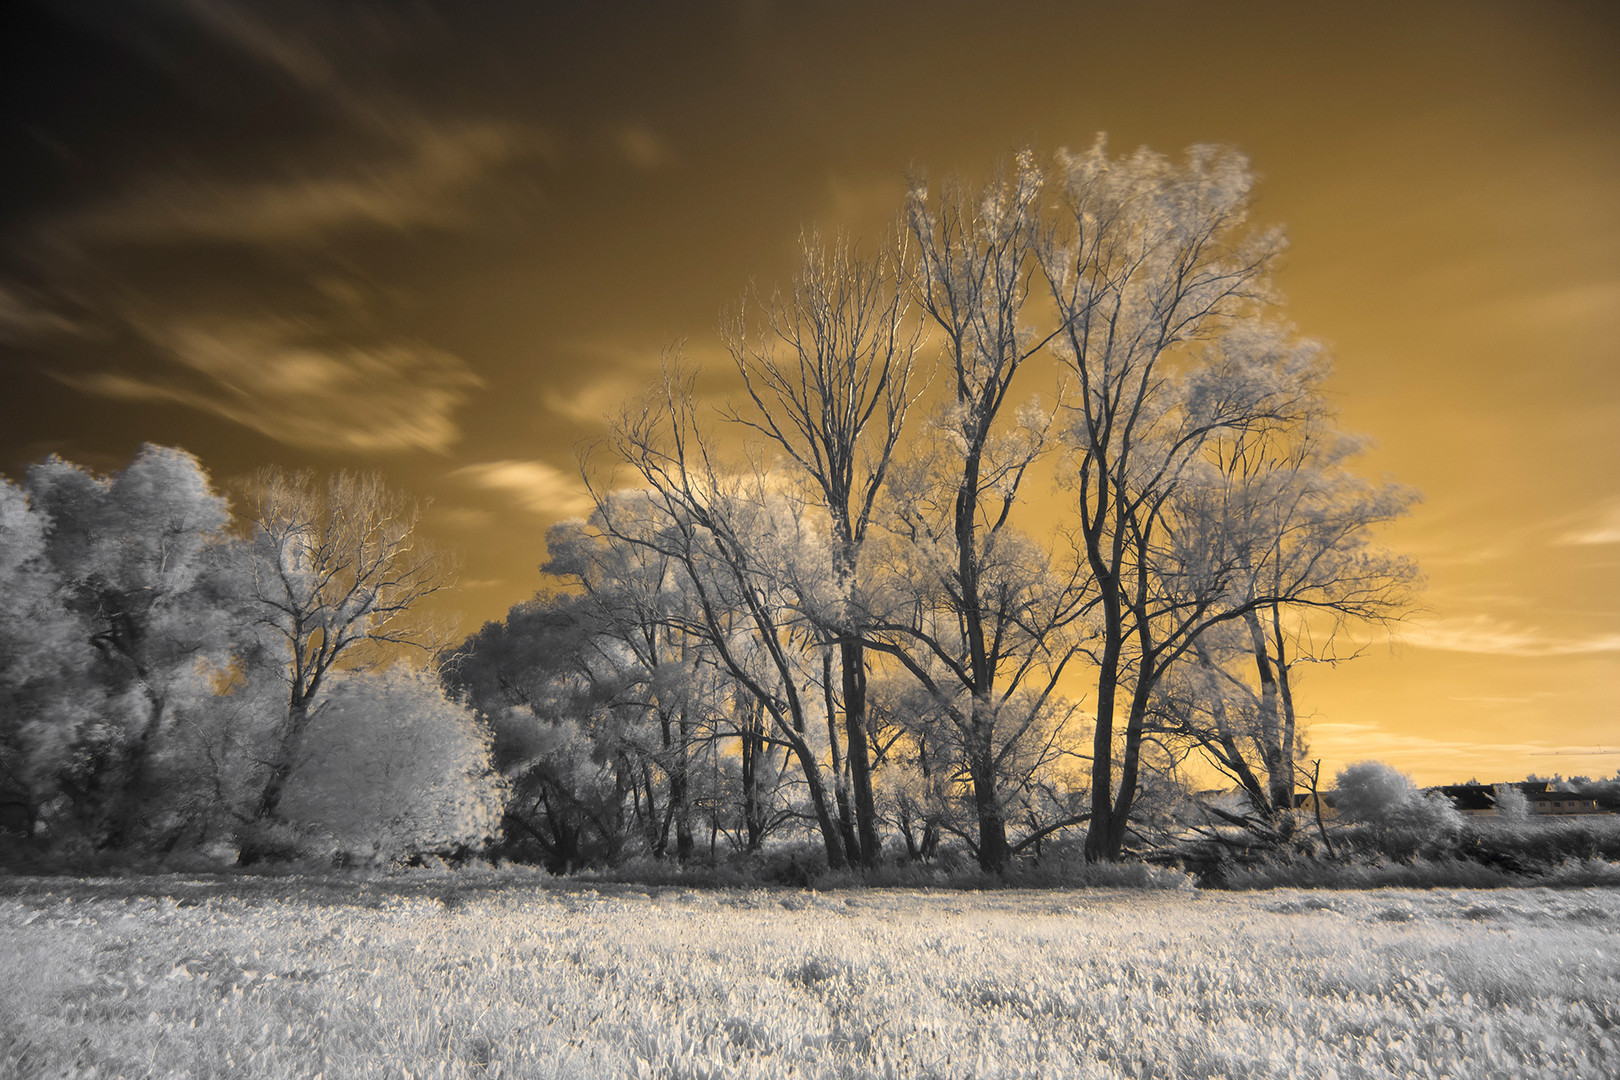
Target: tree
pixel 140 556
pixel 830 377
pixel 973 608
pixel 44 651
pixel 632 605
pixel 1161 293
pixel 1301 524
pixel 337 571
pixel 567 776
pixel 391 769
pixel 1512 804
pixel 747 552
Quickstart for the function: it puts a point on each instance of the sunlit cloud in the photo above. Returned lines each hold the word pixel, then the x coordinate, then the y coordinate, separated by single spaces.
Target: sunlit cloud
pixel 1598 525
pixel 264 375
pixel 534 485
pixel 1485 634
pixel 594 403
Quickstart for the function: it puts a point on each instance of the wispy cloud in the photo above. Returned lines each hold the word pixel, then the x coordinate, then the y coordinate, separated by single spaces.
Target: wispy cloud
pixel 270 376
pixel 595 403
pixel 1599 524
pixel 534 485
pixel 1486 634
pixel 26 318
pixel 421 184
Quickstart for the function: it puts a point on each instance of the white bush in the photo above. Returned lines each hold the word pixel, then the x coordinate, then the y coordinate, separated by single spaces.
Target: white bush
pixel 1404 817
pixel 392 769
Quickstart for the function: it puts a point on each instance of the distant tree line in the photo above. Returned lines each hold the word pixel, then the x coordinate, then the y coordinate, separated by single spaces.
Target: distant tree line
pixel 887 596
pixel 176 676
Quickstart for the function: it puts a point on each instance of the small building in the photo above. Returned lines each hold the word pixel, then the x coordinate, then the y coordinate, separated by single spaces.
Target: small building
pixel 1305 805
pixel 1547 800
pixel 1473 800
pixel 1479 800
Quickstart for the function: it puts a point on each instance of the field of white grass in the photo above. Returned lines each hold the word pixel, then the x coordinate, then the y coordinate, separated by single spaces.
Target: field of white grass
pixel 98 980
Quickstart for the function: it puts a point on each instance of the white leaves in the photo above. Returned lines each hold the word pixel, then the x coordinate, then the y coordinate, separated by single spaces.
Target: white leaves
pixel 392 768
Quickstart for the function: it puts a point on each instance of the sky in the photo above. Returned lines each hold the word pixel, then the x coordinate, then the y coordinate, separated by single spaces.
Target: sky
pixel 444 241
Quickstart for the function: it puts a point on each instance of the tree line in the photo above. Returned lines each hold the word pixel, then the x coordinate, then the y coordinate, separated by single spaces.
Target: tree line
pixel 886 588
pixel 1005 520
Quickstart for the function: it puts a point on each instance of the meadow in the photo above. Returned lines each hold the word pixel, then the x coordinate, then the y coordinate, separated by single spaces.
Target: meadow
pixel 532 978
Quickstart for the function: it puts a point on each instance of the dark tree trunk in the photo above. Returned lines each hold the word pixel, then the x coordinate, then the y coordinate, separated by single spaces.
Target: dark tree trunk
pixel 281 766
pixel 852 658
pixel 1102 742
pixel 846 820
pixel 993 850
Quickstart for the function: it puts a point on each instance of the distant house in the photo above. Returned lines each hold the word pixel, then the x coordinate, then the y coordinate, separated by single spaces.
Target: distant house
pixel 1477 800
pixel 1305 805
pixel 1546 799
pixel 1473 800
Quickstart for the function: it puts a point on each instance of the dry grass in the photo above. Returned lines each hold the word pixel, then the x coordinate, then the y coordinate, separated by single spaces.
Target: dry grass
pixel 284 980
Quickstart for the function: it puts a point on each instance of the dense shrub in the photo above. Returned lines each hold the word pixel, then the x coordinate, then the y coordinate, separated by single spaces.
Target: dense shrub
pixel 394 770
pixel 1400 819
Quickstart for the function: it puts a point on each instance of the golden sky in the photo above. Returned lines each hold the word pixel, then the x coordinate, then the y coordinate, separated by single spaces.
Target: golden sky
pixel 442 240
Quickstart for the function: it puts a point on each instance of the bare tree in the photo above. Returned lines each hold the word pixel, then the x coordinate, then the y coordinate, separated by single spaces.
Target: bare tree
pixel 733 534
pixel 831 379
pixel 1300 524
pixel 337 570
pixel 978 617
pixel 1159 290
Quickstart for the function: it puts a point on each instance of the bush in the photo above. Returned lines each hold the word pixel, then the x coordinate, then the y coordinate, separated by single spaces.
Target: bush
pixel 393 770
pixel 1444 873
pixel 1403 822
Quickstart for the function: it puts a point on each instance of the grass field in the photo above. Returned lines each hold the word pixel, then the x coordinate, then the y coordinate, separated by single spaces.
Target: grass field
pixel 297 979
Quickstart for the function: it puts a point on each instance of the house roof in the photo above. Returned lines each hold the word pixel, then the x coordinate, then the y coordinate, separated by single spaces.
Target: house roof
pixel 1469 796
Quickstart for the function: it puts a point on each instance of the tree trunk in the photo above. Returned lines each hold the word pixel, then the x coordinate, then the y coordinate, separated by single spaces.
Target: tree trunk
pixel 1102 742
pixel 752 744
pixel 852 657
pixel 1289 727
pixel 1279 761
pixel 846 820
pixel 680 788
pixel 993 851
pixel 125 808
pixel 831 835
pixel 286 757
pixel 1231 756
pixel 1129 768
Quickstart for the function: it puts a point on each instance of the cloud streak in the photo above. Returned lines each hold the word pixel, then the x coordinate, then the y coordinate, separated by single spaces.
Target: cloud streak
pixel 1599 525
pixel 421 185
pixel 1485 634
pixel 533 485
pixel 269 376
